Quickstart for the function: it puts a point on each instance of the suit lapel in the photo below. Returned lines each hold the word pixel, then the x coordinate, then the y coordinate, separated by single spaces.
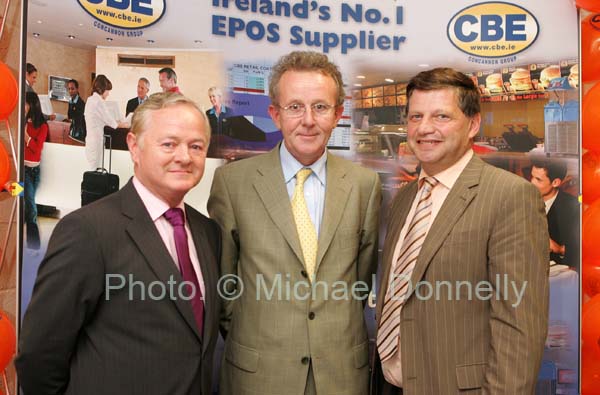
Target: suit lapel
pixel 144 234
pixel 270 186
pixel 459 198
pixel 207 266
pixel 400 208
pixel 337 191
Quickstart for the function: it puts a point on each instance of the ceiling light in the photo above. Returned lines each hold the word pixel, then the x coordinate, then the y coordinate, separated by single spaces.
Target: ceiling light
pixel 72 37
pixel 361 77
pixel 39 21
pixel 357 84
pixel 423 65
pixel 36 34
pixel 389 80
pixel 109 39
pixel 81 24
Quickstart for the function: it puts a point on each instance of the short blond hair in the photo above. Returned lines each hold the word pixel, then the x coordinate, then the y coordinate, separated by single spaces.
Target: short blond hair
pixel 159 101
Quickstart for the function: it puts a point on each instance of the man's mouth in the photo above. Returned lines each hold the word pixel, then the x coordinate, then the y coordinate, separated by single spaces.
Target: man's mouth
pixel 428 142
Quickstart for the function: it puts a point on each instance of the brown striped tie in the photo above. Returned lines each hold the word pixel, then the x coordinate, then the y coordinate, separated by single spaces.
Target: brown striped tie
pixel 389 323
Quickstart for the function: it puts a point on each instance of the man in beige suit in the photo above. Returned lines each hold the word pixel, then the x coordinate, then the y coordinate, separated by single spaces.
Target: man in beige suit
pixel 463 303
pixel 297 239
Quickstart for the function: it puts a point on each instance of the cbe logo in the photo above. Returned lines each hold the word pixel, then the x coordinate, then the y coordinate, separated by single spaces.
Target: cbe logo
pixel 126 14
pixel 493 29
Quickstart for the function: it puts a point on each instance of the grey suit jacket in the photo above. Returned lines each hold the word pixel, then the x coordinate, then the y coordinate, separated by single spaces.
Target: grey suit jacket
pixel 81 337
pixel 491 227
pixel 277 328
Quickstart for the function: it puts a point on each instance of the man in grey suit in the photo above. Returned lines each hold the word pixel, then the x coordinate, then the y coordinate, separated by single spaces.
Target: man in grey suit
pixel 298 224
pixel 463 302
pixel 125 301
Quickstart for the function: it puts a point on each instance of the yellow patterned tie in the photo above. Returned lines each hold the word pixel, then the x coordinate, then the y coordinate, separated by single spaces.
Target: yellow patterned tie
pixel 306 230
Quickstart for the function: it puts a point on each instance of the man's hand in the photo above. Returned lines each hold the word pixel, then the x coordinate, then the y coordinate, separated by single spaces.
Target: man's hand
pixel 557 248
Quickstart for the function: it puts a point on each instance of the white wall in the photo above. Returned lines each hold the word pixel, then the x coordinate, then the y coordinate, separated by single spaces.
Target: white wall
pixel 62 171
pixel 196 72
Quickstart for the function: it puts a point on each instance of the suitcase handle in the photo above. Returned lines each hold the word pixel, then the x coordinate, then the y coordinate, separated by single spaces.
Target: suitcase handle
pixel 109 137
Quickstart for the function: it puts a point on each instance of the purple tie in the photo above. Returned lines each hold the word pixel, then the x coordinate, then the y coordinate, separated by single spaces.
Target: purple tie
pixel 175 218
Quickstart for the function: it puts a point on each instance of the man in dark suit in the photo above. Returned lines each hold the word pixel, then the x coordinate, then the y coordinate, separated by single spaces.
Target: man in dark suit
pixel 463 302
pixel 125 301
pixel 143 87
pixel 562 210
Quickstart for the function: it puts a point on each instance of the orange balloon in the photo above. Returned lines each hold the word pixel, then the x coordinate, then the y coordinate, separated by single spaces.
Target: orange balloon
pixel 590 229
pixel 590 278
pixel 590 5
pixel 9 91
pixel 590 175
pixel 8 341
pixel 590 119
pixel 590 48
pixel 4 165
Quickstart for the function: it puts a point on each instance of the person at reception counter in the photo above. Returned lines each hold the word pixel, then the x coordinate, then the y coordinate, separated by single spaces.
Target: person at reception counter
pixel 97 117
pixel 31 74
pixel 562 210
pixel 125 301
pixel 168 80
pixel 218 112
pixel 35 136
pixel 476 237
pixel 301 216
pixel 76 112
pixel 143 87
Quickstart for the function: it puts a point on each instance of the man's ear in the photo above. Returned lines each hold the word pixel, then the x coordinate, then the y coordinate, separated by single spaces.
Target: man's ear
pixel 133 146
pixel 275 113
pixel 556 182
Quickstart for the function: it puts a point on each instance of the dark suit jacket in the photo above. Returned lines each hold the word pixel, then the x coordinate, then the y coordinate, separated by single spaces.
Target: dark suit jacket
pixel 563 226
pixel 81 337
pixel 491 225
pixel 216 123
pixel 132 105
pixel 75 114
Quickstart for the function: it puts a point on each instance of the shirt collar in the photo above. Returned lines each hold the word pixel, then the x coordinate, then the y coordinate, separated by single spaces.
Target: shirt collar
pixel 291 166
pixel 154 205
pixel 449 176
pixel 73 101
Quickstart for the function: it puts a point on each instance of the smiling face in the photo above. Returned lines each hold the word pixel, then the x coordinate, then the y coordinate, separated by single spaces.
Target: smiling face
pixel 166 83
pixel 169 154
pixel 306 137
pixel 439 133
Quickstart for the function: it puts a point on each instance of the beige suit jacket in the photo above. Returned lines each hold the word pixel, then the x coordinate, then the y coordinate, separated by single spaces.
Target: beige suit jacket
pixel 277 327
pixel 491 228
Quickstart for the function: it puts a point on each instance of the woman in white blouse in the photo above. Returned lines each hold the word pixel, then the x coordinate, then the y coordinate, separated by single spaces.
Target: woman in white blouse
pixel 97 117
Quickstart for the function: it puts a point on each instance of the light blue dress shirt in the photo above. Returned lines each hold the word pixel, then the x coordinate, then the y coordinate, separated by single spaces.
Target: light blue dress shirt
pixel 314 186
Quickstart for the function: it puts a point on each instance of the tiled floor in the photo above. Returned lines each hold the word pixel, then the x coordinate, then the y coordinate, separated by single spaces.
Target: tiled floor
pixel 32 260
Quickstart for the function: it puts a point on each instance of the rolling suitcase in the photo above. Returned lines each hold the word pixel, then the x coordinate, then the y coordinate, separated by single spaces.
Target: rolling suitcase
pixel 100 182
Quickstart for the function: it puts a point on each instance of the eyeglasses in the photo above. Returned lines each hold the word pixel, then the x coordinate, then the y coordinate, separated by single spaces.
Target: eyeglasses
pixel 296 110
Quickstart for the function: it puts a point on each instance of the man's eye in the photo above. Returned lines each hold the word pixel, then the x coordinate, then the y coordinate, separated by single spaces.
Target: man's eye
pixel 320 107
pixel 295 107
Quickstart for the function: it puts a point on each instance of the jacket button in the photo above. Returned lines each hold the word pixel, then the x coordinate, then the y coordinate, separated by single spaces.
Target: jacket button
pixel 311 316
pixel 305 360
pixel 304 274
